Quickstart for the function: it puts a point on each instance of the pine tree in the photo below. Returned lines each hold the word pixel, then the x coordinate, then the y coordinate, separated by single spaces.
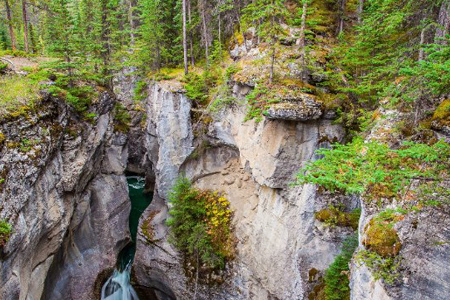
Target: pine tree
pixel 269 14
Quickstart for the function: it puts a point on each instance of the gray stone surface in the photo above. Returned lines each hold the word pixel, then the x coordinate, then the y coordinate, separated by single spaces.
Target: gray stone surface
pixel 279 238
pixel 70 221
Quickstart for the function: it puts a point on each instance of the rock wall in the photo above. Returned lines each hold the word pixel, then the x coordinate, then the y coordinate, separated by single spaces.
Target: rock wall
pixel 66 197
pixel 279 240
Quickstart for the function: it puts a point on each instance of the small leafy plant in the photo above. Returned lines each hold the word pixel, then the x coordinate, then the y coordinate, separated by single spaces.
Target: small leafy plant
pixel 5 232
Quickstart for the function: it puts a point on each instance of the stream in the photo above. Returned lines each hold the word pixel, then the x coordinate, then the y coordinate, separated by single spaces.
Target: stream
pixel 118 286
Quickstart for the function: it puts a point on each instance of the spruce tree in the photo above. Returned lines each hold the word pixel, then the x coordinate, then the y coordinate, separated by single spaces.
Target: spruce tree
pixel 269 14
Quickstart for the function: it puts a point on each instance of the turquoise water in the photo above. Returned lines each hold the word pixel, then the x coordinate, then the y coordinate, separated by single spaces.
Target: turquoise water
pixel 139 202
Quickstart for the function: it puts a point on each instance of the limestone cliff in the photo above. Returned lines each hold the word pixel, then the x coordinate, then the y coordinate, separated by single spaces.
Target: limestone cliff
pixel 279 240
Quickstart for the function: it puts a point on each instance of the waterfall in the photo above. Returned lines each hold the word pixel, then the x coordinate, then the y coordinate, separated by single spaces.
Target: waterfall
pixel 118 286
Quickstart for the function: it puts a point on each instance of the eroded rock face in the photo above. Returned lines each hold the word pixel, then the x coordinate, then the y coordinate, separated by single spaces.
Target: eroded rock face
pixel 169 134
pixel 305 108
pixel 279 238
pixel 68 205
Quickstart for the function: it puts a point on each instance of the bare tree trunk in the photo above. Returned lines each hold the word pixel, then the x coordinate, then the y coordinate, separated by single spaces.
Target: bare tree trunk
pixel 25 26
pixel 360 10
pixel 302 41
pixel 341 16
pixel 186 70
pixel 132 19
pixel 272 64
pixel 106 51
pixel 205 33
pixel 191 38
pixel 196 276
pixel 220 31
pixel 422 41
pixel 10 26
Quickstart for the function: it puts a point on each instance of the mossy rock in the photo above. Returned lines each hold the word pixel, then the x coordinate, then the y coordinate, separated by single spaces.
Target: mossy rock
pixel 381 238
pixel 333 216
pixel 443 111
pixel 441 116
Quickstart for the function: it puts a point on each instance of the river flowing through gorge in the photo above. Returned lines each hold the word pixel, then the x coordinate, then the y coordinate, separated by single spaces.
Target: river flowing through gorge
pixel 118 286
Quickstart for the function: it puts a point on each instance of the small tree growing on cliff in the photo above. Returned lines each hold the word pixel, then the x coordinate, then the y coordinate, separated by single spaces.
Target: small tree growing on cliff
pixel 200 225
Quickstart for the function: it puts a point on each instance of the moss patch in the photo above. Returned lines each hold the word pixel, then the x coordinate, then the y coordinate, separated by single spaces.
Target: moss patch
pixel 334 216
pixel 442 113
pixel 382 238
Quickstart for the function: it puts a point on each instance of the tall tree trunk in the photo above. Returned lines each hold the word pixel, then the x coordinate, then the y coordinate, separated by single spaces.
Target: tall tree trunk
pixel 360 10
pixel 302 40
pixel 422 41
pixel 191 38
pixel 10 26
pixel 342 4
pixel 272 64
pixel 105 51
pixel 25 26
pixel 220 31
pixel 443 23
pixel 205 33
pixel 186 70
pixel 131 7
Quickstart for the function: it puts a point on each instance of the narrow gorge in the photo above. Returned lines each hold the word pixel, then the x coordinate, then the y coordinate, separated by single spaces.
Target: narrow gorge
pixel 303 152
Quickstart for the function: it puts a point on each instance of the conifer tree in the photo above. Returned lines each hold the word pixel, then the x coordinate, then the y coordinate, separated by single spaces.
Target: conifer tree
pixel 269 14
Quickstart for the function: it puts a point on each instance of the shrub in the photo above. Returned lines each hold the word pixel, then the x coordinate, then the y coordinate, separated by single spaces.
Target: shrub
pixel 336 276
pixel 5 232
pixel 200 223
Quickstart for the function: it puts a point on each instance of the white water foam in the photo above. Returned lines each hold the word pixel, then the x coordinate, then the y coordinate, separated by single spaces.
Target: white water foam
pixel 118 286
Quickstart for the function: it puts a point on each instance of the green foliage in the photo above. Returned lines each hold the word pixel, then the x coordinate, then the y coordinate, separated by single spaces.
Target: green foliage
pixel 223 99
pixel 140 91
pixel 122 118
pixel 200 223
pixel 5 232
pixel 376 169
pixel 196 88
pixel 231 70
pixel 3 67
pixel 386 268
pixel 269 14
pixel 200 87
pixel 79 97
pixel 257 102
pixel 336 278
